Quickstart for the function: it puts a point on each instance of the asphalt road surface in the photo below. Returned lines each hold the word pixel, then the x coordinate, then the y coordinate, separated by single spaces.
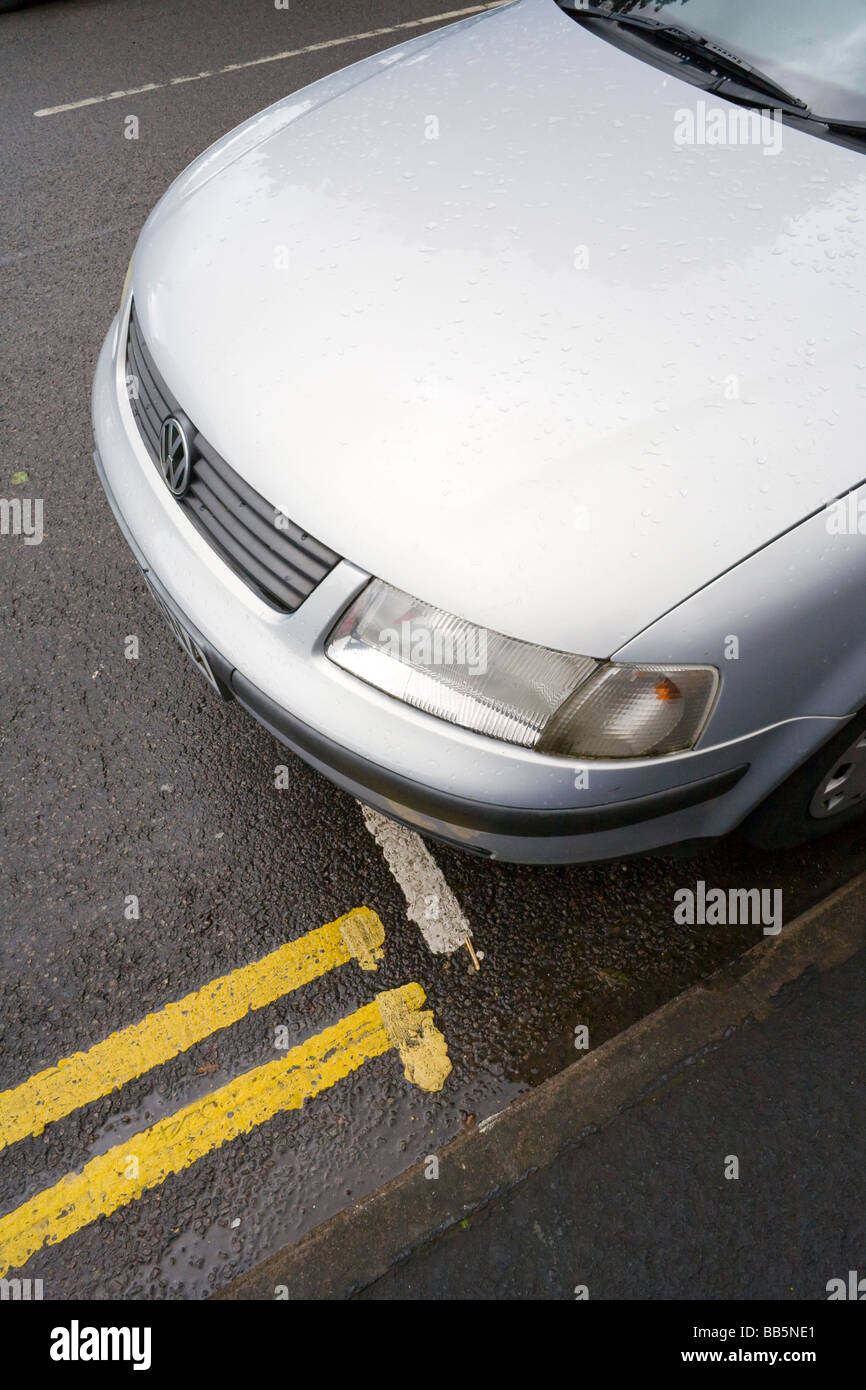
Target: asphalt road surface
pixel 648 1208
pixel 126 779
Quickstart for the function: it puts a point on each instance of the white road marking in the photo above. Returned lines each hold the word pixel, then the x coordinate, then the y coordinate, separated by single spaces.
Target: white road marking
pixel 484 1125
pixel 45 247
pixel 429 900
pixel 269 58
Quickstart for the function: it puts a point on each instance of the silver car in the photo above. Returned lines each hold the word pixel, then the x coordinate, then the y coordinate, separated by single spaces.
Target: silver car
pixel 488 419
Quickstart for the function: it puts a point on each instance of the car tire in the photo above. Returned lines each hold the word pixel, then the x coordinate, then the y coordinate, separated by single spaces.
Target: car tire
pixel 825 794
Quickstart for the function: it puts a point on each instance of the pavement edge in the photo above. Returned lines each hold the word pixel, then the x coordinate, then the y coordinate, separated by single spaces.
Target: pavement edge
pixel 357 1246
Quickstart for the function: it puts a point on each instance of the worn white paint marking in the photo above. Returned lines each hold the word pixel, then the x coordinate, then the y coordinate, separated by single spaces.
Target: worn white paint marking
pixel 269 58
pixel 44 248
pixel 429 900
pixel 490 1121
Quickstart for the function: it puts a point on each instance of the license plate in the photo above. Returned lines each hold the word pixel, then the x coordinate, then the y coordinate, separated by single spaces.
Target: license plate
pixel 193 649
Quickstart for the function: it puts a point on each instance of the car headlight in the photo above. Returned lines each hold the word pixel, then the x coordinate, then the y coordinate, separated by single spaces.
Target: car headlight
pixel 555 702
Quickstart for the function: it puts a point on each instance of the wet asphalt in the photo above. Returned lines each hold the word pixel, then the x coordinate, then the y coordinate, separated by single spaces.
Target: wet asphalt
pixel 128 777
pixel 652 1207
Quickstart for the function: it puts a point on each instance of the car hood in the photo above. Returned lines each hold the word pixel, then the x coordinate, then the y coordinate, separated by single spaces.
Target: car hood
pixel 470 314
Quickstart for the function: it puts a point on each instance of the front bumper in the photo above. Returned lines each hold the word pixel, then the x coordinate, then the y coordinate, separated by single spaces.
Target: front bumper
pixel 487 797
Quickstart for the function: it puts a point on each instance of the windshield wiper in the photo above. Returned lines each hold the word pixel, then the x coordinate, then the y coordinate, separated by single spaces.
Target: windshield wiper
pixel 853 132
pixel 737 77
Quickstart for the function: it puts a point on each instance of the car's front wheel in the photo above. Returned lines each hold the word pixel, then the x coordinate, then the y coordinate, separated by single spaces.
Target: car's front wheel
pixel 826 793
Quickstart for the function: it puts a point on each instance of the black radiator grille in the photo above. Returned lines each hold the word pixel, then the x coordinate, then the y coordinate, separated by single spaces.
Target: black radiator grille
pixel 282 563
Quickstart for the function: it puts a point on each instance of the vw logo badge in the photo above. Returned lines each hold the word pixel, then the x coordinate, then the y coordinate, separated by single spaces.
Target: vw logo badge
pixel 174 455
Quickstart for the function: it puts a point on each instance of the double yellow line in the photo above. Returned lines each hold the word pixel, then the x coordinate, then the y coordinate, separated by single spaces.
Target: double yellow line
pixel 394 1020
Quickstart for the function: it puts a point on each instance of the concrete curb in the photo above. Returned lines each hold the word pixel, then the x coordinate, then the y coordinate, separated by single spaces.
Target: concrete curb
pixel 358 1245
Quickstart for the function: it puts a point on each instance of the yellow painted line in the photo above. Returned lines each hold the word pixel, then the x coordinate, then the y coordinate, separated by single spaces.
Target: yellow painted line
pixel 120 1176
pixel 85 1076
pixel 421 1046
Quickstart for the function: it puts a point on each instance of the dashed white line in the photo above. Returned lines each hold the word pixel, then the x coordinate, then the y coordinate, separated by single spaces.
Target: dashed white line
pixel 46 247
pixel 269 58
pixel 429 901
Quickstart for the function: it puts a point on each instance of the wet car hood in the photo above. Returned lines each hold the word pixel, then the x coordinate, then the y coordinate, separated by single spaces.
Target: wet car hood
pixel 469 313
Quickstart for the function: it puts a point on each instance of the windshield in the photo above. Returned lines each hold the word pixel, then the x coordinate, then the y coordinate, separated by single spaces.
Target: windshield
pixel 814 48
